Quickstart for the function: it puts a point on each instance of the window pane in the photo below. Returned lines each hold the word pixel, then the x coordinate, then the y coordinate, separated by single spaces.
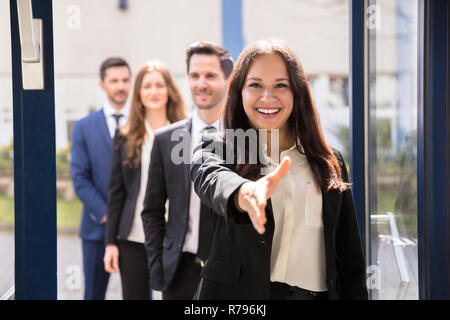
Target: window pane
pixel 392 177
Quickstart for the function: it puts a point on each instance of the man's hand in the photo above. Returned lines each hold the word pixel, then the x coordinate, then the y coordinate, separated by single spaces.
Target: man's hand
pixel 252 196
pixel 111 258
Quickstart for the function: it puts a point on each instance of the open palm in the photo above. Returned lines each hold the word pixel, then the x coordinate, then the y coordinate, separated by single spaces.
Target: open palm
pixel 253 195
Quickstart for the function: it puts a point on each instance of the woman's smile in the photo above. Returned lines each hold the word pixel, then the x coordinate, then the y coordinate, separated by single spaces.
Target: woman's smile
pixel 268 112
pixel 267 96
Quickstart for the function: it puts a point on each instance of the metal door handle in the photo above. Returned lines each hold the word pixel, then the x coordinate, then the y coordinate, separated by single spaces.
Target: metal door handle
pixel 30 31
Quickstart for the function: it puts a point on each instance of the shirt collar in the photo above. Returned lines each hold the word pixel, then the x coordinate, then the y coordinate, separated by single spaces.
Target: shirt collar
pixel 198 124
pixel 271 161
pixel 148 128
pixel 109 110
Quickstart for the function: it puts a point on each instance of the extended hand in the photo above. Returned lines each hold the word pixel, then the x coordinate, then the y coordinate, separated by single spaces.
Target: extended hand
pixel 252 196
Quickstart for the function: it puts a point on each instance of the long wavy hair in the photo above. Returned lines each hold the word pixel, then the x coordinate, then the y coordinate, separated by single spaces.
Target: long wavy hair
pixel 303 122
pixel 134 130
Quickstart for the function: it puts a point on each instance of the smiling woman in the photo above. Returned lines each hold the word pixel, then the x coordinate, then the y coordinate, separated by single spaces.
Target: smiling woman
pixel 284 84
pixel 267 97
pixel 291 234
pixel 156 102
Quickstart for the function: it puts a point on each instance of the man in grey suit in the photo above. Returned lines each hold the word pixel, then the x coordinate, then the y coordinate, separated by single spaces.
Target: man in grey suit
pixel 176 248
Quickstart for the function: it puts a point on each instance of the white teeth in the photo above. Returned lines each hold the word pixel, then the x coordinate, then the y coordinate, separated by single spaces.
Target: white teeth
pixel 268 111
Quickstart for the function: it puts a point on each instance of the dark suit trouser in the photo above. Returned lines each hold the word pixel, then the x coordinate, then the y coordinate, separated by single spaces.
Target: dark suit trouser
pixel 184 282
pixel 95 276
pixel 134 272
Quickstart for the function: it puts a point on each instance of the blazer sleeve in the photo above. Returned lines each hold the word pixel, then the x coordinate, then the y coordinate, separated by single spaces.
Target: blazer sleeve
pixel 117 192
pixel 153 219
pixel 215 182
pixel 82 176
pixel 351 265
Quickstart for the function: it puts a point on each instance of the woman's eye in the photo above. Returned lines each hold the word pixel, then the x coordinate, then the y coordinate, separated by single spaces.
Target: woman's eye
pixel 254 85
pixel 281 85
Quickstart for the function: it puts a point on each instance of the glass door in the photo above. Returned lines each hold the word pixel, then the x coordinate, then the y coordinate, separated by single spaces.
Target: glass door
pixel 392 149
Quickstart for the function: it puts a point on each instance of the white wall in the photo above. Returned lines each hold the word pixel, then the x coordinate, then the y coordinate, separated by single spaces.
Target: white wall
pixel 317 30
pixel 86 32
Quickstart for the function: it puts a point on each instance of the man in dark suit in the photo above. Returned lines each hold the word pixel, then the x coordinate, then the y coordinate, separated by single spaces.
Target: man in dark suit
pixel 177 247
pixel 91 147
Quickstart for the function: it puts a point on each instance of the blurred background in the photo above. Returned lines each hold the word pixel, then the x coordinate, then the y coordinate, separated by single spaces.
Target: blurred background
pixel 86 32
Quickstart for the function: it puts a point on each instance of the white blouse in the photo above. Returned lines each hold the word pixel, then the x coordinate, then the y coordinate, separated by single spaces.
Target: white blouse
pixel 298 247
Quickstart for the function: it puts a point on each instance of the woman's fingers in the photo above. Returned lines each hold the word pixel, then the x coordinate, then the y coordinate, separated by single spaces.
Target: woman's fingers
pixel 263 190
pixel 275 176
pixel 261 205
pixel 251 198
pixel 280 171
pixel 260 217
pixel 257 216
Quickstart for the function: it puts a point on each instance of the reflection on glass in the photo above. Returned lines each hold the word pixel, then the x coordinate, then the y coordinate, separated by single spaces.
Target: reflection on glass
pixel 392 28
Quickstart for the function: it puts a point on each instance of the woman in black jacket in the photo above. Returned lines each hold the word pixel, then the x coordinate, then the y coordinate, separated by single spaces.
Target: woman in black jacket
pixel 155 103
pixel 282 230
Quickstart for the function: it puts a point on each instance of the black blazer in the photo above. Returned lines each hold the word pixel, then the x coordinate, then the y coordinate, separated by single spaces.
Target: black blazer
pixel 168 179
pixel 123 191
pixel 238 266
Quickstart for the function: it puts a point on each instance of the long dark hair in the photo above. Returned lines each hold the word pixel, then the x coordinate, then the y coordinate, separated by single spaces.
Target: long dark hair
pixel 134 130
pixel 303 122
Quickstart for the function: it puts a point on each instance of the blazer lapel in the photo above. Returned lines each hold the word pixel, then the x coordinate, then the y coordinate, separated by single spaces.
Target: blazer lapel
pixel 132 175
pixel 104 129
pixel 187 166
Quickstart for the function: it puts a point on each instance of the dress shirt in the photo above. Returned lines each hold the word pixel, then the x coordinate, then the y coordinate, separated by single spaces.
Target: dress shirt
pixel 298 247
pixel 110 121
pixel 192 234
pixel 137 229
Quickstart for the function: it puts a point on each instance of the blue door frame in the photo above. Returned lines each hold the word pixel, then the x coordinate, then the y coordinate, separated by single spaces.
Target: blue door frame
pixel 357 112
pixel 433 150
pixel 34 168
